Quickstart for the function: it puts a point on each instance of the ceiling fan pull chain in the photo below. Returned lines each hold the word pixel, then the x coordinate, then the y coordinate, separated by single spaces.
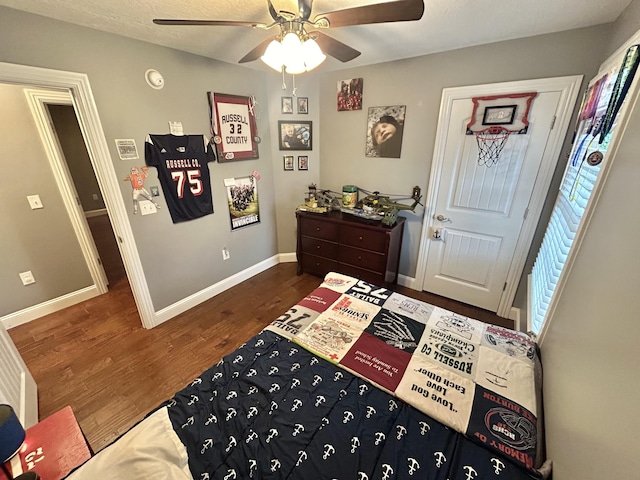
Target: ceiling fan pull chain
pixel 284 85
pixel 293 92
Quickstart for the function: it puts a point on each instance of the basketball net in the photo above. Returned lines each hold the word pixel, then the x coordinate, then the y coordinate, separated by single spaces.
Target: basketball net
pixel 491 141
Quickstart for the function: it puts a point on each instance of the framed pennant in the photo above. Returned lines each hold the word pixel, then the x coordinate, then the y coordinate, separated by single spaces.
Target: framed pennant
pixel 233 126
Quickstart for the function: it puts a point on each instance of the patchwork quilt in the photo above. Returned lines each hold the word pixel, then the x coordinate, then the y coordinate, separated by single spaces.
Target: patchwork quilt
pixel 479 379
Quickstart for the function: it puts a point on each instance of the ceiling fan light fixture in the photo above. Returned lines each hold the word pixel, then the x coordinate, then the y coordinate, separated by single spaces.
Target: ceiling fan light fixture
pixel 273 55
pixel 291 46
pixel 294 54
pixel 295 67
pixel 313 55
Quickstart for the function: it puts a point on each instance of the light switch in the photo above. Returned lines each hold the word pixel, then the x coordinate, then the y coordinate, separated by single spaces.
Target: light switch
pixel 147 208
pixel 35 202
pixel 27 278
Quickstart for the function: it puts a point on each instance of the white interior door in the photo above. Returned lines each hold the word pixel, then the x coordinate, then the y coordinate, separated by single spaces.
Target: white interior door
pixel 484 208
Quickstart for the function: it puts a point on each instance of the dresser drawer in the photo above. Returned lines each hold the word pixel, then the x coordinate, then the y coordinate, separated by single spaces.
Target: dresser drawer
pixel 321 248
pixel 363 238
pixel 318 265
pixel 319 229
pixel 363 258
pixel 363 274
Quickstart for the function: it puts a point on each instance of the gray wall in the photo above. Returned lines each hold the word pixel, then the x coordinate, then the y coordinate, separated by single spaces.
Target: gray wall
pixel 291 186
pixel 182 259
pixel 591 386
pixel 38 240
pixel 418 83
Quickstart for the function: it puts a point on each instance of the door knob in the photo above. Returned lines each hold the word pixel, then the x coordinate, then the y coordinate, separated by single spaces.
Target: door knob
pixel 442 218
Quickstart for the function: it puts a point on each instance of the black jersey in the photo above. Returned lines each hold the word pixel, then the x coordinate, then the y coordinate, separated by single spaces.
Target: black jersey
pixel 181 161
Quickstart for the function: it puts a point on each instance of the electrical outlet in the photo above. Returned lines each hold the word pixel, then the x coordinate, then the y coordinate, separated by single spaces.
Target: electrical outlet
pixel 225 253
pixel 27 278
pixel 95 196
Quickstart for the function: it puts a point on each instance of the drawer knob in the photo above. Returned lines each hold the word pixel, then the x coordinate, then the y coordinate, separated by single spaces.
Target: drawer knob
pixel 360 238
pixel 317 229
pixel 318 247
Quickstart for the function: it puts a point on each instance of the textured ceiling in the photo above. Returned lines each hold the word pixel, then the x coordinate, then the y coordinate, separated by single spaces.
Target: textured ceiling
pixel 446 24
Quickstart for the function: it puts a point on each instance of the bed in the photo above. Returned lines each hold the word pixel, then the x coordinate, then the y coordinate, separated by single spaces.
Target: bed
pixel 353 382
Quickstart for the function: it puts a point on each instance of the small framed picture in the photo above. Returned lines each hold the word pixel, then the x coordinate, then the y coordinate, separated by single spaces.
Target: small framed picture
pixel 288 162
pixel 303 105
pixel 287 105
pixel 303 162
pixel 295 135
pixel 503 115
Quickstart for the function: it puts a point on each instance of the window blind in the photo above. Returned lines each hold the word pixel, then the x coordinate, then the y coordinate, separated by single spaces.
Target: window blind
pixel 578 182
pixel 567 213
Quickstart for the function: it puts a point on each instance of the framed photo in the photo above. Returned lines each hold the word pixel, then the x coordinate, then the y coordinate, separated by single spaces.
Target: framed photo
pixel 502 115
pixel 350 94
pixel 303 162
pixel 288 162
pixel 242 195
pixel 286 105
pixel 385 126
pixel 303 105
pixel 233 125
pixel 295 135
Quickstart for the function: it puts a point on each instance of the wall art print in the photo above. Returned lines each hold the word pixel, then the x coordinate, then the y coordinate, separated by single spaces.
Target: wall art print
pixel 385 127
pixel 242 195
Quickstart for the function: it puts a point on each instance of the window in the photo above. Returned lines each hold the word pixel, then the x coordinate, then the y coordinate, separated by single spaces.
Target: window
pixel 603 100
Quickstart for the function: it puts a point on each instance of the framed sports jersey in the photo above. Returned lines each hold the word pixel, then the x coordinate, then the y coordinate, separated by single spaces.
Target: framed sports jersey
pixel 233 126
pixel 181 161
pixel 242 194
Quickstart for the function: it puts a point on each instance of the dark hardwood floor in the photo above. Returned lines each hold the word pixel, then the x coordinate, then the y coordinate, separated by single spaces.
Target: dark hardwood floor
pixel 97 357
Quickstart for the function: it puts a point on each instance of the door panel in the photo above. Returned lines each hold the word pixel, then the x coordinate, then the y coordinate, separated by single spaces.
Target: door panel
pixel 483 208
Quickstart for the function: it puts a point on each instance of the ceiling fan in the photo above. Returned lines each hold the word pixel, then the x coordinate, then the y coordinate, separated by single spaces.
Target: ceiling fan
pixel 289 22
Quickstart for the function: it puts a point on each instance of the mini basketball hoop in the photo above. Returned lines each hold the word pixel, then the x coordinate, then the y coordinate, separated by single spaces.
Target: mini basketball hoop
pixel 494 119
pixel 491 141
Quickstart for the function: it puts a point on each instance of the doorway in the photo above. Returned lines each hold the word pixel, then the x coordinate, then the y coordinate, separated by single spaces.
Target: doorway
pixel 75 155
pixel 78 87
pixel 480 220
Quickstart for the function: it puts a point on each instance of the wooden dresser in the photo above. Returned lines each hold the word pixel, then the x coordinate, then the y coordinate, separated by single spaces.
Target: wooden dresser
pixel 337 242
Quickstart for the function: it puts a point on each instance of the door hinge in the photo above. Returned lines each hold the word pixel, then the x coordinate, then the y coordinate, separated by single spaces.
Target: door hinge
pixel 553 122
pixel 526 213
pixel 99 261
pixel 78 200
pixel 505 286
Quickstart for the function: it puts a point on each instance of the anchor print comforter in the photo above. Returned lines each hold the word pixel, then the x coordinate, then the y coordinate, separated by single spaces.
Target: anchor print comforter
pixel 353 382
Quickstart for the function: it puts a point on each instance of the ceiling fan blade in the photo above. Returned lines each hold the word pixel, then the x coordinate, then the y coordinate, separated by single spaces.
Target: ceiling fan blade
pixel 304 8
pixel 224 23
pixel 335 48
pixel 257 52
pixel 397 11
pixel 272 11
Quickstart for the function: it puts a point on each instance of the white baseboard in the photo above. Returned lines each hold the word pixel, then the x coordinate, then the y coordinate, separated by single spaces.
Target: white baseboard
pixel 514 314
pixel 197 298
pixel 31 313
pixel 287 257
pixel 408 282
